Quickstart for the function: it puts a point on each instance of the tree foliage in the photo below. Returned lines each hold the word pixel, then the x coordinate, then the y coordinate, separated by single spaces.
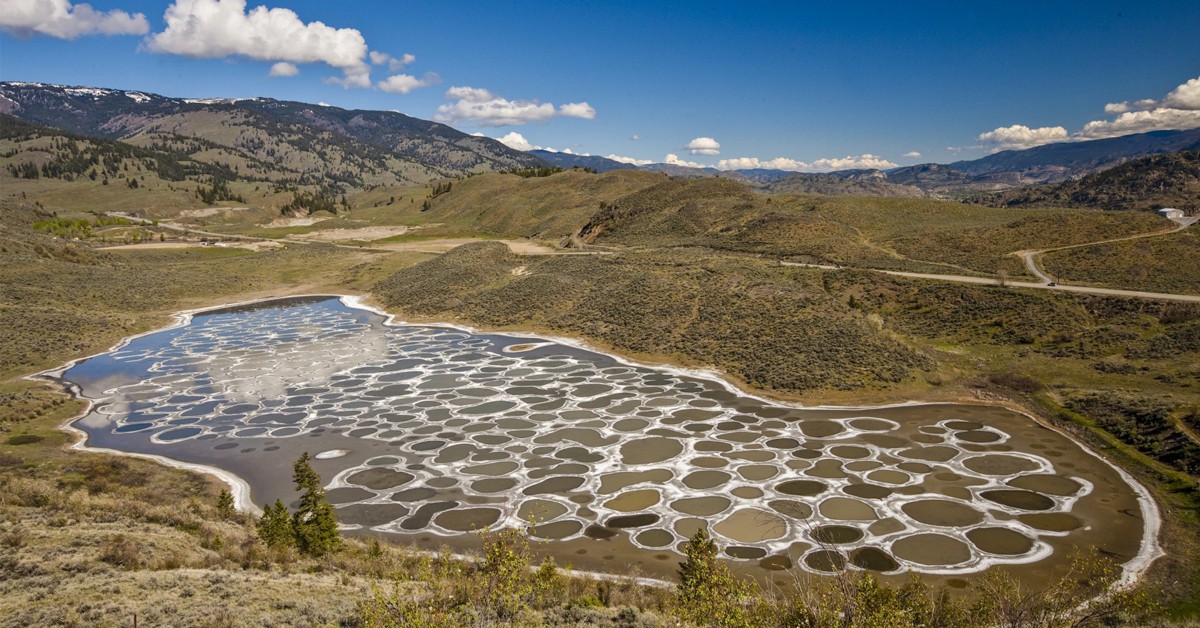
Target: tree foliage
pixel 225 504
pixel 308 202
pixel 1085 596
pixel 537 171
pixel 708 594
pixel 313 527
pixel 218 190
pixel 275 526
pixel 314 522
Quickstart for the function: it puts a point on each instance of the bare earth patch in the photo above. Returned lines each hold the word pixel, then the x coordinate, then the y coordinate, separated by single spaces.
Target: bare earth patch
pixel 209 211
pixel 253 246
pixel 365 234
pixel 296 222
pixel 520 247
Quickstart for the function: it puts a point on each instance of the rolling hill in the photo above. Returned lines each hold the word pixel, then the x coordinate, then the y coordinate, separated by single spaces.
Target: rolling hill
pixel 571 160
pixel 870 183
pixel 1149 183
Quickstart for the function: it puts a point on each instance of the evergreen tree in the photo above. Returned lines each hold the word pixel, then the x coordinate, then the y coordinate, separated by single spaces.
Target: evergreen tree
pixel 708 595
pixel 314 522
pixel 275 525
pixel 225 503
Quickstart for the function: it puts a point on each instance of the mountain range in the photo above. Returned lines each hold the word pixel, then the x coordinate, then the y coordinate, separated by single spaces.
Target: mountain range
pixel 295 143
pixel 309 144
pixel 1051 163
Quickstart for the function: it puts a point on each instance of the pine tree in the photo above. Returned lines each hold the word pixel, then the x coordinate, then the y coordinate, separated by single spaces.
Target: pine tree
pixel 225 503
pixel 708 595
pixel 275 525
pixel 314 522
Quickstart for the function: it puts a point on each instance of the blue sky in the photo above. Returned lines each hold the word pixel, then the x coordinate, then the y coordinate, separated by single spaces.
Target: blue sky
pixel 820 86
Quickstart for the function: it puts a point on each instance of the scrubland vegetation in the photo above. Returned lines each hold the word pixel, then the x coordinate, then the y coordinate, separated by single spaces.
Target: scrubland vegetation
pixel 1163 264
pixel 686 304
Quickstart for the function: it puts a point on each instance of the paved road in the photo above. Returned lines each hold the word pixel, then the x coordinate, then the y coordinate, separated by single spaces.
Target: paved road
pixel 1046 280
pixel 991 281
pixel 802 265
pixel 1030 257
pixel 1184 223
pixel 1029 284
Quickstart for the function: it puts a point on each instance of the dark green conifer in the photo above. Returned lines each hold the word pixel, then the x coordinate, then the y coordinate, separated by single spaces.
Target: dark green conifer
pixel 314 522
pixel 225 503
pixel 275 525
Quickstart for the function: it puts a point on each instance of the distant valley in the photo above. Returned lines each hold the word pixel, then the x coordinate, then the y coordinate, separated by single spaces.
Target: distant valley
pixel 1052 163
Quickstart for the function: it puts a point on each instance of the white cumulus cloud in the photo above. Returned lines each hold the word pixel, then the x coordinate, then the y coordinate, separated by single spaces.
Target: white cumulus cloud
pixel 629 160
pixel 913 154
pixel 1159 119
pixel 752 163
pixel 283 68
pixel 61 19
pixel 480 107
pixel 358 76
pixel 577 110
pixel 674 160
pixel 515 141
pixel 223 28
pixel 405 83
pixel 704 146
pixel 849 162
pixel 1122 107
pixel 1186 96
pixel 864 161
pixel 1019 137
pixel 1178 110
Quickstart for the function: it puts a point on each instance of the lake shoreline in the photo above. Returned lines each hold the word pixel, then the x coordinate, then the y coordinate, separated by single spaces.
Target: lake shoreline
pixel 1133 569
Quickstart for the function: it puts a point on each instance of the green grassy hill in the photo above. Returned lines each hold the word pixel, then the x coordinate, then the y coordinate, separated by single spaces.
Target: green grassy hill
pixel 553 207
pixel 636 209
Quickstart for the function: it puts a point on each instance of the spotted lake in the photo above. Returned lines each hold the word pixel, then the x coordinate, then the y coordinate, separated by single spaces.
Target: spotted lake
pixel 429 433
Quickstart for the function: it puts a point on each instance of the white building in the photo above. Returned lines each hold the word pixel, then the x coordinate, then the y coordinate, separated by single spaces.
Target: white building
pixel 1171 212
